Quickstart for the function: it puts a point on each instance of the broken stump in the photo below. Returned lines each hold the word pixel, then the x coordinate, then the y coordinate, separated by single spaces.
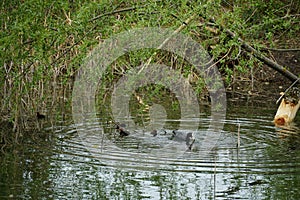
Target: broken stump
pixel 288 107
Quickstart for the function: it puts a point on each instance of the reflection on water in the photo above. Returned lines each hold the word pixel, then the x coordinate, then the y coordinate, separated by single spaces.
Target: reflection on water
pixel 70 166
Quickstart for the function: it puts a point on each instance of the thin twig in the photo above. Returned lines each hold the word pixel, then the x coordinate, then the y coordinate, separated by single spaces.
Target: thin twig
pixel 287 16
pixel 250 16
pixel 238 139
pixel 184 24
pixel 281 50
pixel 102 139
pixel 215 178
pixel 113 12
pixel 215 63
pixel 286 91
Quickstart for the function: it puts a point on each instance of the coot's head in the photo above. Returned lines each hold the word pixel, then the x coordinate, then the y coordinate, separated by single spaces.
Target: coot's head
pixel 154 133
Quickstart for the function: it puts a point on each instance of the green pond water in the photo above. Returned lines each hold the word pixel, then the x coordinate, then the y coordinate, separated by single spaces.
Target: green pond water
pixel 99 165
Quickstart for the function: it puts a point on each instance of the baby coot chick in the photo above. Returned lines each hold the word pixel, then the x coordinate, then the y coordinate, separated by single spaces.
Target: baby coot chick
pixel 158 132
pixel 181 136
pixel 154 133
pixel 121 129
pixel 40 116
pixel 189 141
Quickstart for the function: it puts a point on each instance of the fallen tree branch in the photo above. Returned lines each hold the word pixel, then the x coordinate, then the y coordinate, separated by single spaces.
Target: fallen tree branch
pixel 113 12
pixel 264 59
pixel 280 50
pixel 261 57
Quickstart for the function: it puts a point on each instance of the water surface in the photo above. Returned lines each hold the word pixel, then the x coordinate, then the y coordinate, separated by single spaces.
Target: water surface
pixel 68 165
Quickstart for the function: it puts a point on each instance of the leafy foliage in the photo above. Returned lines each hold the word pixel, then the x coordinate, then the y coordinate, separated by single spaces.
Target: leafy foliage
pixel 43 43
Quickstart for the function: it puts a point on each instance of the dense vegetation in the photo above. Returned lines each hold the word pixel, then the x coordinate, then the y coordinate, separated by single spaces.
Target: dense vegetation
pixel 43 43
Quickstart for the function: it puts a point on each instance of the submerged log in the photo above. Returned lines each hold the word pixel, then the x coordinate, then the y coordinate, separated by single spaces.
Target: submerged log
pixel 288 107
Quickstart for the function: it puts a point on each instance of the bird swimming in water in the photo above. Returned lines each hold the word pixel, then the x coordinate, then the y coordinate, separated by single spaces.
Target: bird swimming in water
pixel 121 129
pixel 154 133
pixel 188 137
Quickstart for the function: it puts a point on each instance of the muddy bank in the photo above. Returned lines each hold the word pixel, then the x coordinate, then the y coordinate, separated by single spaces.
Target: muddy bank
pixel 264 84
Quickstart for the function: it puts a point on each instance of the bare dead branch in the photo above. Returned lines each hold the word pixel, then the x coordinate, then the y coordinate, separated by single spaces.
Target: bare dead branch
pixel 113 12
pixel 281 50
pixel 261 57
